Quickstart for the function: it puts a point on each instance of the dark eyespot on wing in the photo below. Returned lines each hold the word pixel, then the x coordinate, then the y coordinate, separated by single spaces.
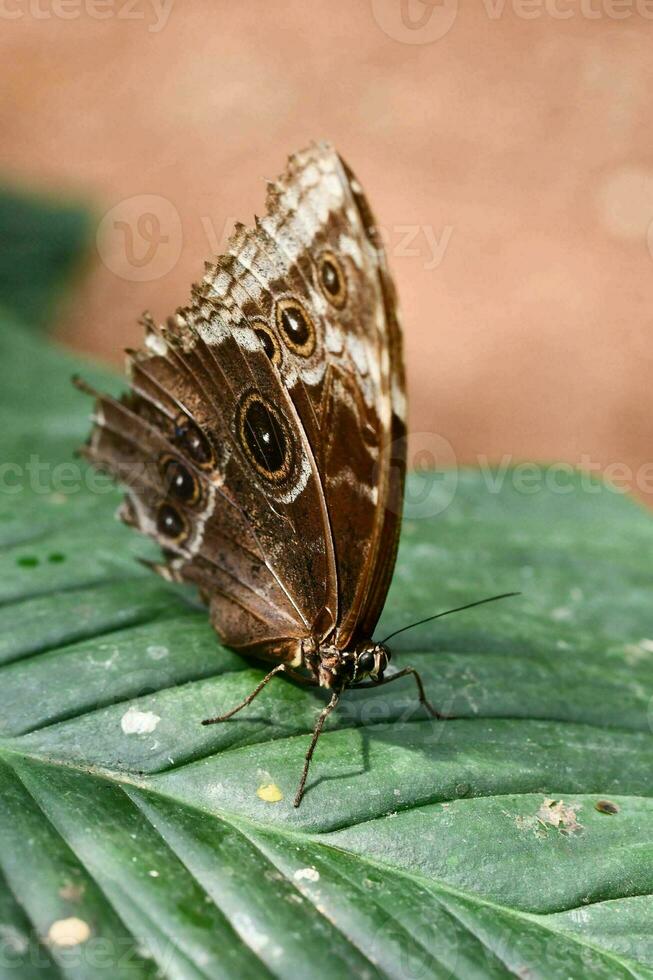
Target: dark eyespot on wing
pixel 268 341
pixel 191 440
pixel 171 524
pixel 178 481
pixel 264 437
pixel 333 281
pixel 295 326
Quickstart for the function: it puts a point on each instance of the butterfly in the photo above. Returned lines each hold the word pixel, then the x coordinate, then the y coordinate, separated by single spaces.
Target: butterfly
pixel 262 443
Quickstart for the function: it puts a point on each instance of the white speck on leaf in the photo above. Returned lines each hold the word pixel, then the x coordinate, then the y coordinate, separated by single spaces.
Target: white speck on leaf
pixel 57 498
pixel 246 927
pixel 68 932
pixel 157 653
pixel 561 614
pixel 579 915
pixel 635 652
pixel 135 722
pixel 107 664
pixel 306 874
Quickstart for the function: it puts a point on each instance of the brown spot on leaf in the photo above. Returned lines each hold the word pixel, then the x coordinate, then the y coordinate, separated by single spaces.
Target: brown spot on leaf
pixel 606 806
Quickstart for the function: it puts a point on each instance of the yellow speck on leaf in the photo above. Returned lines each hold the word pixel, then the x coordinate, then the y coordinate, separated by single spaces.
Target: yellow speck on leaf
pixel 68 932
pixel 269 792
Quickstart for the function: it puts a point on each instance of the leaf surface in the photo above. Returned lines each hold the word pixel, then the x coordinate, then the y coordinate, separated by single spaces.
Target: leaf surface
pixel 465 848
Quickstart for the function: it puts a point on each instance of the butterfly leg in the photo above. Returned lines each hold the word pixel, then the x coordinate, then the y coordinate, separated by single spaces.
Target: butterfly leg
pixel 280 668
pixel 420 689
pixel 317 731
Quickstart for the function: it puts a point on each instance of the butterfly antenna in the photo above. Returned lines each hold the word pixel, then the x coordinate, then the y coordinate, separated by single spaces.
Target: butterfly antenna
pixel 470 605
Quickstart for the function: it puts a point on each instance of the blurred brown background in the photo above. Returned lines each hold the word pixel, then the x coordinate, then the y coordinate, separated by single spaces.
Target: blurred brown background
pixel 505 146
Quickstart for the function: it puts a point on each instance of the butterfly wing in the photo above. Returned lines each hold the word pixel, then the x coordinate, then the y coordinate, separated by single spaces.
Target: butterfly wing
pixel 390 396
pixel 320 247
pixel 239 516
pixel 262 441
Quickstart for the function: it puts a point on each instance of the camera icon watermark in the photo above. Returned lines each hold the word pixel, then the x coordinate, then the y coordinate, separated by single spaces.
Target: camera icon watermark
pixel 430 947
pixel 415 21
pixel 433 466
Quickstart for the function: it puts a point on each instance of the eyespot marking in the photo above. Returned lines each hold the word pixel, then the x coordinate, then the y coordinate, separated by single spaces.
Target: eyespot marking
pixel 178 481
pixel 268 341
pixel 333 281
pixel 264 437
pixel 295 326
pixel 171 524
pixel 190 438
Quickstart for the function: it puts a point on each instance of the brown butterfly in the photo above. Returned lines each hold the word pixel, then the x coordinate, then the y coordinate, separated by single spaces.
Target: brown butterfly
pixel 263 444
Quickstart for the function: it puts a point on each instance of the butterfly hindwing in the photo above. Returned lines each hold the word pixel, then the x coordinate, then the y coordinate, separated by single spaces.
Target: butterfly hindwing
pixel 249 549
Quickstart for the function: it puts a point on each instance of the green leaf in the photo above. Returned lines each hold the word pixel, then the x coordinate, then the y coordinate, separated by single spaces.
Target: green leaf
pixel 40 247
pixel 470 848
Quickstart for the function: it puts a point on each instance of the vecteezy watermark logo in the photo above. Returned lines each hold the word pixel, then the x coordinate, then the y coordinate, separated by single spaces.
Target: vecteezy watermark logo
pixel 426 242
pixel 432 484
pixel 434 480
pixel 432 463
pixel 140 239
pixel 566 9
pixel 153 13
pixel 417 241
pixel 415 21
pixel 429 947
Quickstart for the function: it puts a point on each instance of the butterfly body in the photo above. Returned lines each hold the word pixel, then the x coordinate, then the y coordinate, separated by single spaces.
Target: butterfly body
pixel 333 668
pixel 262 443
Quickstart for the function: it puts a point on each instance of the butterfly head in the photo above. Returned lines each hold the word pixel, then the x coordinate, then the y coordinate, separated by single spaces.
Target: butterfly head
pixel 371 659
pixel 342 668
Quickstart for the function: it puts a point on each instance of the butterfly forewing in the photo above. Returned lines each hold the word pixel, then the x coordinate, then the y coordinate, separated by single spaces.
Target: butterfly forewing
pixel 262 443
